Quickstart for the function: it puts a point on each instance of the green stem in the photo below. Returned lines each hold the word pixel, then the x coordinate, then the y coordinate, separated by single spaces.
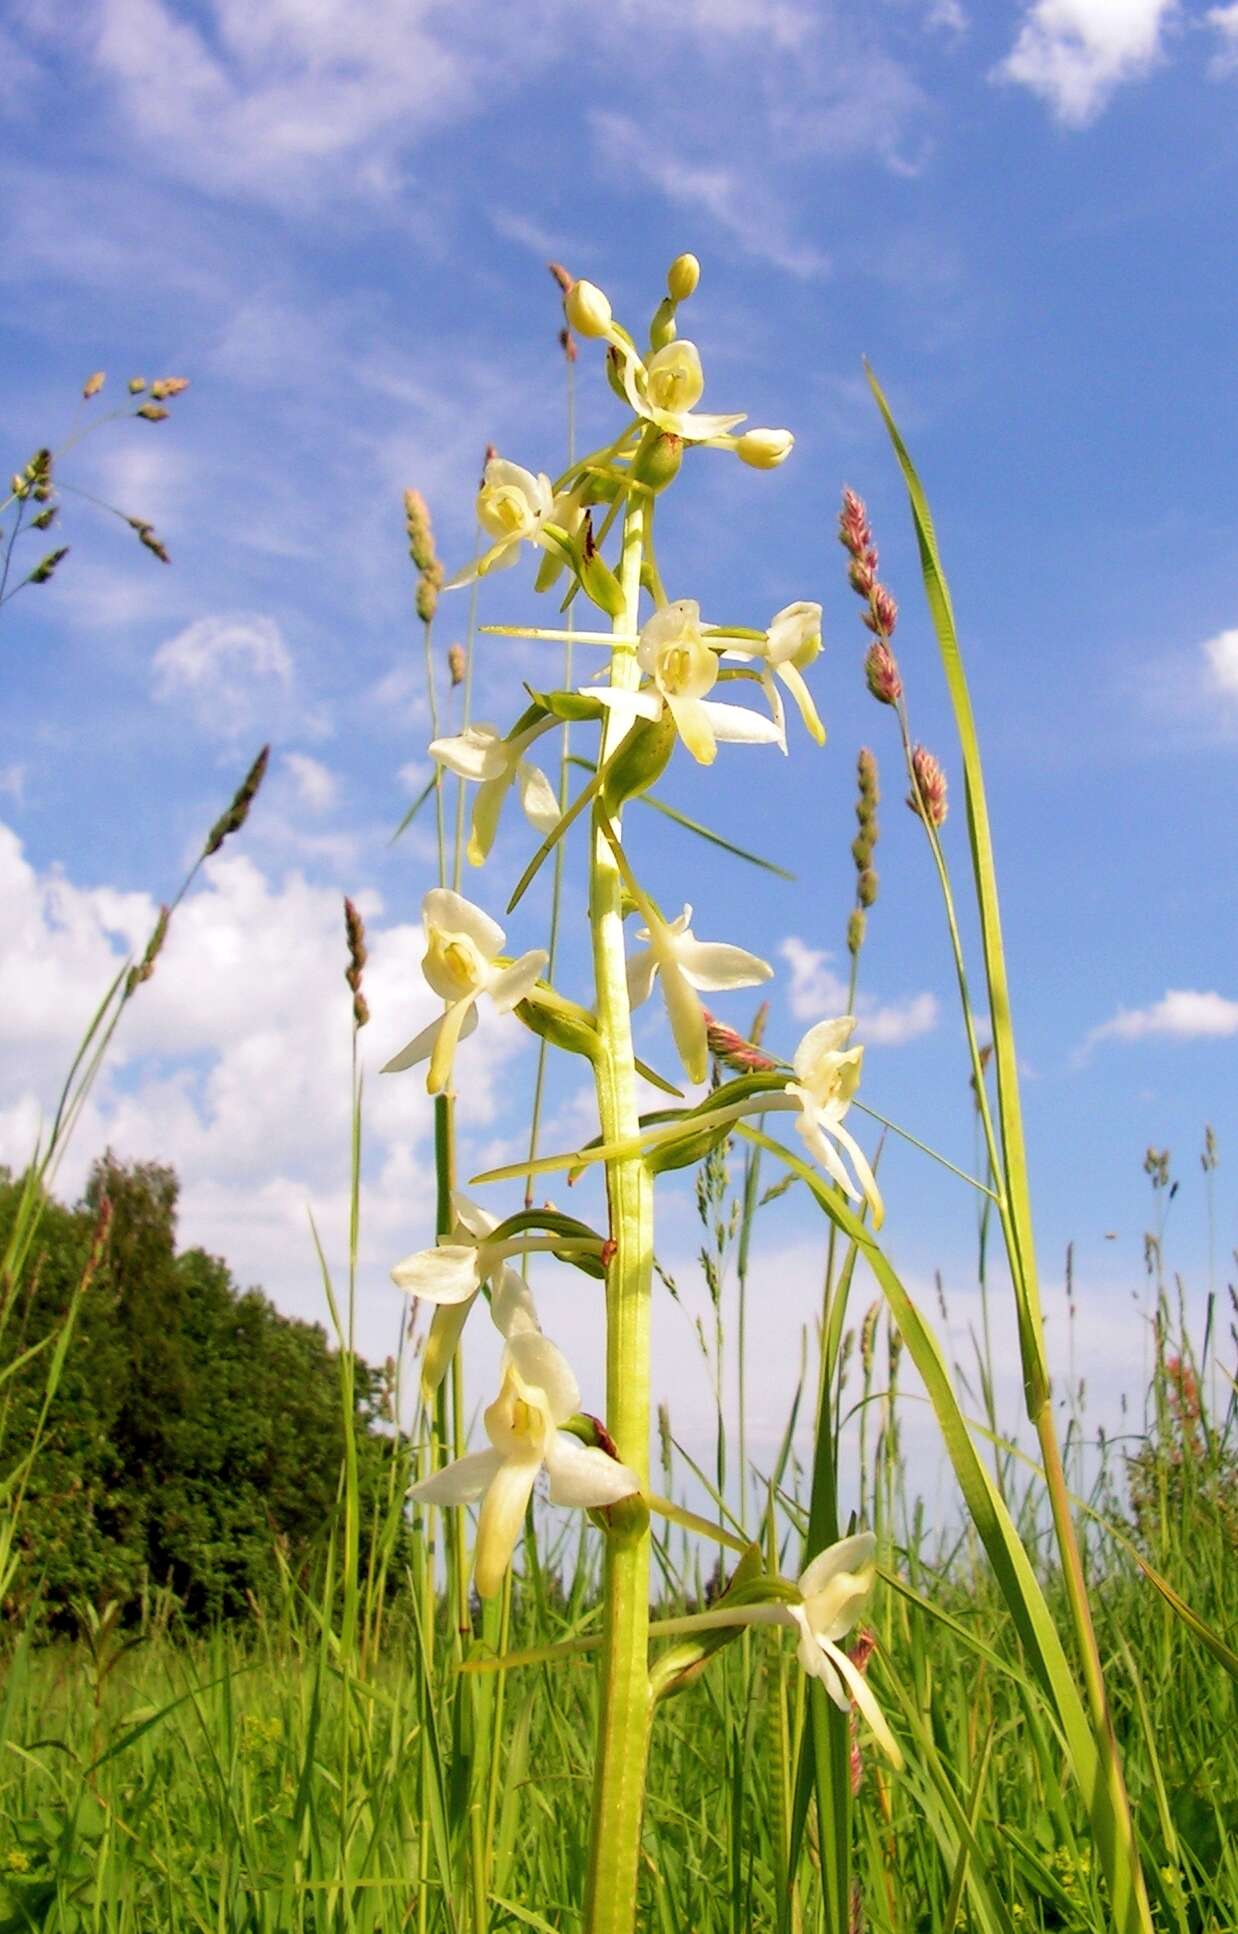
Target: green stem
pixel 625 1706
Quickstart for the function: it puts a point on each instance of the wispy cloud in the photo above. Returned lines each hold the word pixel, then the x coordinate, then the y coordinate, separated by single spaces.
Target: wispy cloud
pixel 225 670
pixel 1225 22
pixel 1221 663
pixel 732 197
pixel 1075 53
pixel 817 991
pixel 1182 1014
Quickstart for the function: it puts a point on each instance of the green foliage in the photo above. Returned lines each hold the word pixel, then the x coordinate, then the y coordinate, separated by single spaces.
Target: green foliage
pixel 193 1448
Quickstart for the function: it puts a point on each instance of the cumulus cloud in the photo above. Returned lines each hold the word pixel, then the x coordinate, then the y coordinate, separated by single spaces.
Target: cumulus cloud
pixel 233 1062
pixel 817 991
pixel 225 671
pixel 1221 657
pixel 1075 53
pixel 1182 1014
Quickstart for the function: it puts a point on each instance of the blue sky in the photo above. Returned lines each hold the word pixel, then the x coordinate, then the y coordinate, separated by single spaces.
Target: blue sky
pixel 335 222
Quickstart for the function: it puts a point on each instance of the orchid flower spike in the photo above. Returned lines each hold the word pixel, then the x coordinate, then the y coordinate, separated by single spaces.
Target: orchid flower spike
pixel 451 1276
pixel 462 962
pixel 663 390
pixel 827 1074
pixel 538 1393
pixel 481 753
pixel 515 507
pixel 835 1589
pixel 792 641
pixel 683 668
pixel 685 963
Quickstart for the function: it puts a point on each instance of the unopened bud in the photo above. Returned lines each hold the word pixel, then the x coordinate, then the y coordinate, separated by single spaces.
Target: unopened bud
pixel 169 386
pixel 882 674
pixel 456 662
pixel 764 449
pixel 683 277
pixel 588 311
pixel 866 887
pixel 136 385
pixel 663 329
pixel 93 384
pixel 929 788
pixel 561 276
pixel 153 412
pixel 855 931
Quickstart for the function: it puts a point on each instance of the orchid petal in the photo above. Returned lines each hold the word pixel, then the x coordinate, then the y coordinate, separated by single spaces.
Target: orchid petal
pixel 477 753
pixel 849 1554
pixel 471 1216
pixel 827 1037
pixel 446 1329
pixel 694 725
pixel 793 679
pixel 687 1021
pixel 864 1174
pixel 538 1362
pixel 462 1482
pixel 537 797
pixel 641 970
pixel 450 912
pixel 585 1477
pixel 518 980
pixel 738 725
pixel 444 1054
pixel 502 1515
pixel 487 808
pixel 826 1154
pixel 422 1045
pixel 511 1305
pixel 449 1273
pixel 713 966
pixel 862 1693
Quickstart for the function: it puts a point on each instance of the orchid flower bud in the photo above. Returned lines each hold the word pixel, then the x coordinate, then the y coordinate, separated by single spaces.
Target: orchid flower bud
pixel 588 311
pixel 764 449
pixel 682 277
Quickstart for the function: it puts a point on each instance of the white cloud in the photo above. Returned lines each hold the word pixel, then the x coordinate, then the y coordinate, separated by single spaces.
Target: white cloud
pixel 733 197
pixel 817 991
pixel 1182 1014
pixel 226 670
pixel 1075 53
pixel 317 787
pixel 1225 21
pixel 1221 654
pixel 13 782
pixel 948 14
pixel 233 1061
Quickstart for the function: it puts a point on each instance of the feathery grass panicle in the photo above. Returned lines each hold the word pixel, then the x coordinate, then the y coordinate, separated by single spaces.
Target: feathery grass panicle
pixel 354 933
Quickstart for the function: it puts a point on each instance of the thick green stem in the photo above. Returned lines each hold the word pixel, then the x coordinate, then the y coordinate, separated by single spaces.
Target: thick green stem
pixel 625 1705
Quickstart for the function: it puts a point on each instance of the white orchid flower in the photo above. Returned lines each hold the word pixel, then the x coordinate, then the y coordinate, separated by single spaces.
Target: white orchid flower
pixel 481 753
pixel 516 507
pixel 538 1393
pixel 791 643
pixel 664 390
pixel 685 963
pixel 827 1074
pixel 451 1276
pixel 462 962
pixel 835 1589
pixel 672 650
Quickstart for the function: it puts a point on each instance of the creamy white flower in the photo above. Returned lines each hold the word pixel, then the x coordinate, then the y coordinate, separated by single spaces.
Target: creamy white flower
pixel 792 642
pixel 451 1276
pixel 664 390
pixel 462 963
pixel 683 964
pixel 827 1074
pixel 672 651
pixel 764 449
pixel 538 1393
pixel 835 1588
pixel 516 507
pixel 481 753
